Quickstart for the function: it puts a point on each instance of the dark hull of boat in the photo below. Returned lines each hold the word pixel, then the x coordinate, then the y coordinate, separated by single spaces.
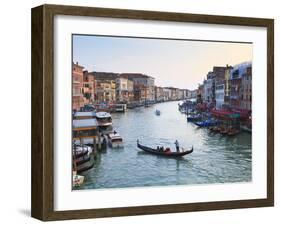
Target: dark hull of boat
pixel 85 167
pixel 163 153
pixel 83 160
pixel 193 119
pixel 80 154
pixel 205 124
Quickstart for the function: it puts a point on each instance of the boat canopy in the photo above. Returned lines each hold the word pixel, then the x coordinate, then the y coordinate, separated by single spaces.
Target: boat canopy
pixel 84 114
pixel 103 114
pixel 115 136
pixel 225 114
pixel 84 123
pixel 244 113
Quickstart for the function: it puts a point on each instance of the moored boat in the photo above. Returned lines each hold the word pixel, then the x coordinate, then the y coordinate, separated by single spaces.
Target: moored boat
pixel 167 152
pixel 206 123
pixel 115 140
pixel 104 118
pixel 80 161
pixel 85 167
pixel 232 132
pixel 214 128
pixel 223 130
pixel 104 122
pixel 193 117
pixel 80 153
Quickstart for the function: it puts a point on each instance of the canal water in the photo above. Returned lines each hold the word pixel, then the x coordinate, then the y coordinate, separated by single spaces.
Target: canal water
pixel 216 158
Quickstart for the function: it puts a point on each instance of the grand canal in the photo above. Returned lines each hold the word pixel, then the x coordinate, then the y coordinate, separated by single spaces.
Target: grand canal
pixel 216 158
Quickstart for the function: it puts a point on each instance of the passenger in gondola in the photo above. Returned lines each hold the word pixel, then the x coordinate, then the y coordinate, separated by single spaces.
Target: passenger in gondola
pixel 162 148
pixel 158 149
pixel 177 146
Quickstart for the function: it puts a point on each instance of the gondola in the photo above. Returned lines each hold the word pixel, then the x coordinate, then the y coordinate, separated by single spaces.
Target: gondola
pixel 163 153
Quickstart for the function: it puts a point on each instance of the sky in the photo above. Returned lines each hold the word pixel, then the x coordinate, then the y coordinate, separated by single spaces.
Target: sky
pixel 178 63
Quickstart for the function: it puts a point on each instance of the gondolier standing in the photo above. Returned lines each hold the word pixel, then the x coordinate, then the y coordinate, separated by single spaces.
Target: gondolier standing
pixel 177 146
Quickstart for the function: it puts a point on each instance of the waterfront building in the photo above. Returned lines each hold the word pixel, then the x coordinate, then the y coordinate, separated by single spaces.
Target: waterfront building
pixel 77 87
pixel 227 86
pixel 188 93
pixel 208 92
pixel 193 93
pixel 105 86
pixel 88 87
pixel 219 74
pixel 143 86
pixel 105 91
pixel 218 86
pixel 181 94
pixel 173 93
pixel 236 91
pixel 167 94
pixel 159 93
pixel 235 86
pixel 184 93
pixel 246 89
pixel 199 94
pixel 124 90
pixel 215 80
pixel 219 95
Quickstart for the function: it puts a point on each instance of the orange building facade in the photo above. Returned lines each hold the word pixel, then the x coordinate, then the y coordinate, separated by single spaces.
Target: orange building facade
pixel 77 87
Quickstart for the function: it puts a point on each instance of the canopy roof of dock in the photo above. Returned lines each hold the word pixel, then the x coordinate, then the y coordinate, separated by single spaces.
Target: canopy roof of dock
pixel 85 123
pixel 78 114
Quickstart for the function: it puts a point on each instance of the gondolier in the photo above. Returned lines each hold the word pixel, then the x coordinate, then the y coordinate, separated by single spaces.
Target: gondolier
pixel 177 145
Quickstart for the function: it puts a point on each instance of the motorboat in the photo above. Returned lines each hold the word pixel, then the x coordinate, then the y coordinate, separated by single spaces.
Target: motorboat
pixel 104 122
pixel 115 140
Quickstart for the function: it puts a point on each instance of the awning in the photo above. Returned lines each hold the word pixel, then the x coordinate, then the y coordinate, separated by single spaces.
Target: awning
pixel 225 114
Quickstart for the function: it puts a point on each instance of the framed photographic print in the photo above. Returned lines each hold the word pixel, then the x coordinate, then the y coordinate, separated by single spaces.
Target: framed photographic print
pixel 141 112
